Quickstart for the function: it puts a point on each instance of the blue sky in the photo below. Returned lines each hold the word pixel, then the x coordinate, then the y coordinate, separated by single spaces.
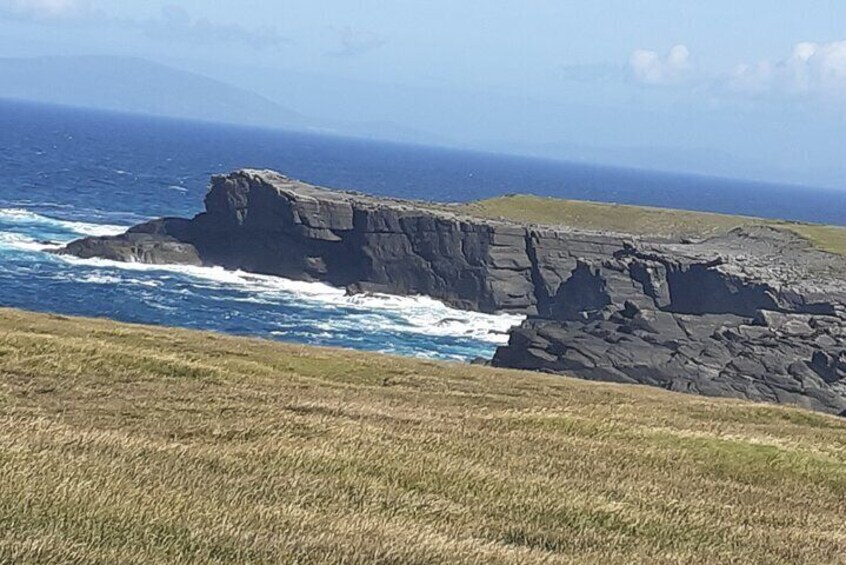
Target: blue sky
pixel 751 88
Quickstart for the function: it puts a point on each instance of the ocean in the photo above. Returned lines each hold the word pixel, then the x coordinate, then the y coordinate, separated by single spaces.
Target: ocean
pixel 68 173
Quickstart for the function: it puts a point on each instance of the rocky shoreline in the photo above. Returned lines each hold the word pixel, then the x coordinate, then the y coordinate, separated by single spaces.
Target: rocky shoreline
pixel 756 313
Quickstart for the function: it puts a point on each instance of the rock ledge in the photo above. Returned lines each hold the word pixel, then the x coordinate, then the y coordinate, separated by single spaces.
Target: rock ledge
pixel 756 313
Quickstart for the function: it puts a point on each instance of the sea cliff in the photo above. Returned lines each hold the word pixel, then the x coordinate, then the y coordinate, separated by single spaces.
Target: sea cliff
pixel 756 312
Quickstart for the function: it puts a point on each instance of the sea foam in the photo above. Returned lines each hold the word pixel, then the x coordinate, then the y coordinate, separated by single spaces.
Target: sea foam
pixel 377 312
pixel 27 217
pixel 329 310
pixel 11 240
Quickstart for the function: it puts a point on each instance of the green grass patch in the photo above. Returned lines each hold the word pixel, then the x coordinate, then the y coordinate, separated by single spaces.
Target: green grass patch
pixel 641 220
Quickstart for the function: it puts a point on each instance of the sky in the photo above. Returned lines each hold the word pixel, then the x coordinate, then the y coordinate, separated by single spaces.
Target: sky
pixel 753 88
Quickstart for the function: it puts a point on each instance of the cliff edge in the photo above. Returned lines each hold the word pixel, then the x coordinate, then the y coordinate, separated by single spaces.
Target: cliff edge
pixel 755 313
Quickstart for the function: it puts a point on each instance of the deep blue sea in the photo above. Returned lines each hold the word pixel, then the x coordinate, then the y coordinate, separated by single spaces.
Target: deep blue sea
pixel 67 173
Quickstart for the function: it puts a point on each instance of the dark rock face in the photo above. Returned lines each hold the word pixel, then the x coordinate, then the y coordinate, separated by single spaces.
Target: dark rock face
pixel 766 324
pixel 271 225
pixel 266 223
pixel 147 243
pixel 754 314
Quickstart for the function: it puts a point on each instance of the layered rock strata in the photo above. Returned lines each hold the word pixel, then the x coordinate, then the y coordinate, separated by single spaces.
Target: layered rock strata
pixel 756 313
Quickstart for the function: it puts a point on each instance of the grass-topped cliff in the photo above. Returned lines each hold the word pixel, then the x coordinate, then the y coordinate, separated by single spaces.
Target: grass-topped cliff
pixel 642 220
pixel 133 444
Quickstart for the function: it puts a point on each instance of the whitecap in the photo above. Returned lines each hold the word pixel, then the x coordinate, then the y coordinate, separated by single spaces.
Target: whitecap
pixel 111 279
pixel 369 313
pixel 92 230
pixel 21 242
pixel 14 213
pixel 96 278
pixel 378 313
pixel 23 216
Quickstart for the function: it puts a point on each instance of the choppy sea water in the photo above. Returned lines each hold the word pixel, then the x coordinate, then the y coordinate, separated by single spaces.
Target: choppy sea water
pixel 227 301
pixel 65 174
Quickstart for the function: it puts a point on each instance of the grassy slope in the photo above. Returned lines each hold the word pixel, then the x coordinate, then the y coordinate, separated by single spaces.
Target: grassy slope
pixel 139 445
pixel 641 220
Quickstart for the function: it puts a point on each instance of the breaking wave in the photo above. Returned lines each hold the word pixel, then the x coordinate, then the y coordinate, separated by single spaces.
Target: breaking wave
pixel 246 303
pixel 23 217
pixel 370 312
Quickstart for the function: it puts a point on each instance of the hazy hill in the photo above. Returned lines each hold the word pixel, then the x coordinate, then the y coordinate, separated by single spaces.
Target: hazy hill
pixel 135 85
pixel 126 84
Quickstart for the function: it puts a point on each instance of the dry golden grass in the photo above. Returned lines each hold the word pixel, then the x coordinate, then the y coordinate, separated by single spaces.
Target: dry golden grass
pixel 641 220
pixel 125 444
pixel 827 238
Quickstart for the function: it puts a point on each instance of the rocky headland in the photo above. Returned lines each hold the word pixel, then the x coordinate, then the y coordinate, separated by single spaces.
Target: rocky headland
pixel 755 313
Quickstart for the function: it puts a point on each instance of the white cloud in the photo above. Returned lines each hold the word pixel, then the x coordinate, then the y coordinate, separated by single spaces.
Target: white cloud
pixel 812 69
pixel 46 9
pixel 650 67
pixel 175 24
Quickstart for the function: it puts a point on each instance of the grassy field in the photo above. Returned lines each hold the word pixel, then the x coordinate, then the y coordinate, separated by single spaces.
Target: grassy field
pixel 641 220
pixel 128 444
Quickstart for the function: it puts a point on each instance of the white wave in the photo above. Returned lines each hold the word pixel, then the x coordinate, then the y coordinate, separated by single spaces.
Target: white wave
pixel 11 240
pixel 420 315
pixel 365 312
pixel 111 279
pixel 20 215
pixel 376 313
pixel 97 278
pixel 92 230
pixel 14 213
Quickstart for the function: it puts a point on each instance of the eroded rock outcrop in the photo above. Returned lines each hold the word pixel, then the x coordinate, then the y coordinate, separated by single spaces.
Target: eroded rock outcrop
pixel 700 319
pixel 756 313
pixel 262 222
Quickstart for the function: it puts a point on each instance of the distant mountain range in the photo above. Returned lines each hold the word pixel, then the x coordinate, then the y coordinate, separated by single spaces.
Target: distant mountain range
pixel 126 84
pixel 486 120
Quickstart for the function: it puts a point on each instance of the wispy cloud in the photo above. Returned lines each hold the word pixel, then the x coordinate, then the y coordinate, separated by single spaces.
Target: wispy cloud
pixel 812 69
pixel 653 68
pixel 353 42
pixel 174 24
pixel 47 10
